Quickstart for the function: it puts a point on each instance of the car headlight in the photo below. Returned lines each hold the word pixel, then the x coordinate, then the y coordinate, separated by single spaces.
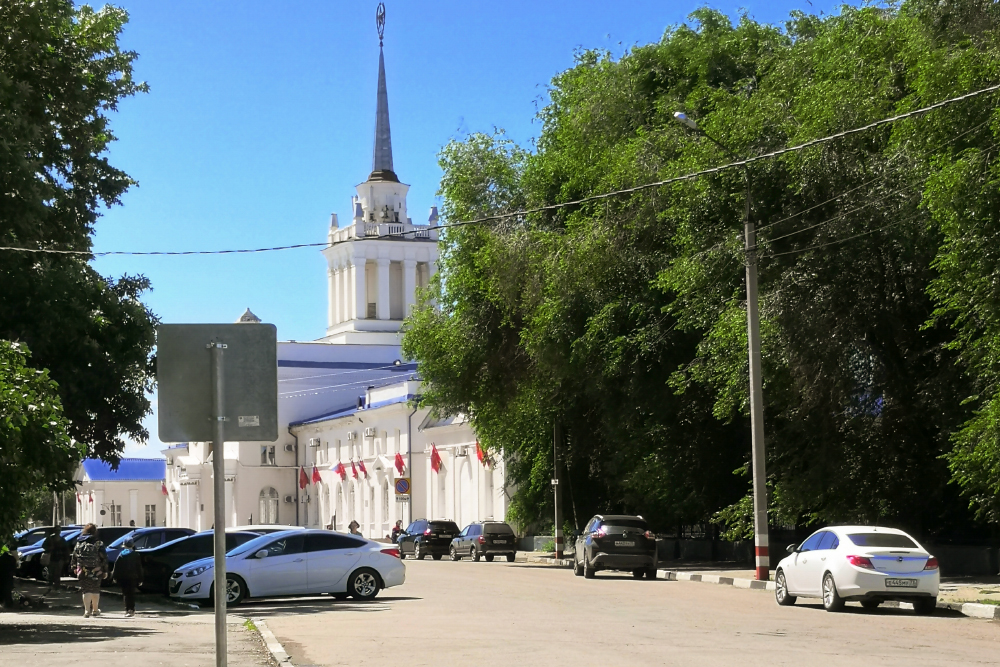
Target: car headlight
pixel 193 589
pixel 198 570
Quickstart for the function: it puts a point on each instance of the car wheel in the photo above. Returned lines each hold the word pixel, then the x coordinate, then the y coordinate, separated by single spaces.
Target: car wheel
pixel 651 573
pixel 638 573
pixel 489 558
pixel 454 553
pixel 831 598
pixel 474 552
pixel 588 571
pixel 781 590
pixel 402 554
pixel 363 584
pixel 236 591
pixel 510 558
pixel 925 606
pixel 418 553
pixel 437 556
pixel 870 604
pixel 577 567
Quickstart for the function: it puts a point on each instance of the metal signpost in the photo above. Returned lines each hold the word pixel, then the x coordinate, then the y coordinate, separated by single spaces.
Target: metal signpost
pixel 199 393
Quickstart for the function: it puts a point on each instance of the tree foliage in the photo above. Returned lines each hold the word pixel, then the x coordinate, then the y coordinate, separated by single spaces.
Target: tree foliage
pixel 61 74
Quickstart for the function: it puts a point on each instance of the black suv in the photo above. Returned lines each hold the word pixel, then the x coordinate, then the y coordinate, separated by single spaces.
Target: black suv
pixel 423 537
pixel 485 538
pixel 616 542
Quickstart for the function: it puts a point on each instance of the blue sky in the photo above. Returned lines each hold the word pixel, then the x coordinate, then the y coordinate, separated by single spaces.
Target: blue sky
pixel 260 117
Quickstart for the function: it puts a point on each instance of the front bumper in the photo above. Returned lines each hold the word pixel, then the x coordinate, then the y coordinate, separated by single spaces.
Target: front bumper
pixel 190 588
pixel 606 561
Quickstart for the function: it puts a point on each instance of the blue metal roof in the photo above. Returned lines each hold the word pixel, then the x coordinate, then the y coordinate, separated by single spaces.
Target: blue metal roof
pixel 128 469
pixel 344 412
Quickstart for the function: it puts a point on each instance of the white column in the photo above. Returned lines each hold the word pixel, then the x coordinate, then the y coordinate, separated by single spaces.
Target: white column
pixel 431 488
pixel 230 502
pixel 133 508
pixel 344 292
pixel 331 309
pixel 382 303
pixel 360 294
pixel 409 285
pixel 340 311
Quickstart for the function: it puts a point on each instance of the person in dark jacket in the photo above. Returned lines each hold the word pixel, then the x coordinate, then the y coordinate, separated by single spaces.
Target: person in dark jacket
pixel 90 564
pixel 57 551
pixel 128 574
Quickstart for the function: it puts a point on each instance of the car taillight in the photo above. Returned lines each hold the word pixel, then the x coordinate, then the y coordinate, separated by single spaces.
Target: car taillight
pixel 427 532
pixel 482 540
pixel 932 564
pixel 650 536
pixel 391 552
pixel 599 534
pixel 861 561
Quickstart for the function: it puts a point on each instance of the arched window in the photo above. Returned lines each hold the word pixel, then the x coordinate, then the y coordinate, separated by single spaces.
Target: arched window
pixel 268 510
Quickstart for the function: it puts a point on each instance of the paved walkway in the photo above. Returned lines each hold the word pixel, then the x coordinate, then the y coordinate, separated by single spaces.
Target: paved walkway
pixel 160 635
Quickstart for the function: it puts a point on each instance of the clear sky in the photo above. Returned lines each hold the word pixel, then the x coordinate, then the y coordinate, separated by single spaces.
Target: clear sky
pixel 260 118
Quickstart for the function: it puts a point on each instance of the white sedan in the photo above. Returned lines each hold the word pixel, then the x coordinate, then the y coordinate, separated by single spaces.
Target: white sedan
pixel 860 563
pixel 296 562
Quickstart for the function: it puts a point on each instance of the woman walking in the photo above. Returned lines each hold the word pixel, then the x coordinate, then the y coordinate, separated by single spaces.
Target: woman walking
pixel 90 563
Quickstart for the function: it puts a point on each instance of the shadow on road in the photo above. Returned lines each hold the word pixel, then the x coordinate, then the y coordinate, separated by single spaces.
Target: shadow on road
pixel 857 610
pixel 314 605
pixel 38 633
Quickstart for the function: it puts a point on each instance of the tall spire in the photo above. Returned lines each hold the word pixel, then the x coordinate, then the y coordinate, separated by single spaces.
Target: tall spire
pixel 382 157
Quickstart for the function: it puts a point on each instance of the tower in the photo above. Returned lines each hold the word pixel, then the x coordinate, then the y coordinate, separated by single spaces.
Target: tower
pixel 376 263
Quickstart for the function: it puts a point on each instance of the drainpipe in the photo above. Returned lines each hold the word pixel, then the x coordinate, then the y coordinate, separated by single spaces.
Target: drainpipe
pixel 296 475
pixel 409 461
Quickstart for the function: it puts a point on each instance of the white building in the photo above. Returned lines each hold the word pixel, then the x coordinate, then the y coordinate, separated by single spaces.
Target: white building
pixel 344 399
pixel 131 495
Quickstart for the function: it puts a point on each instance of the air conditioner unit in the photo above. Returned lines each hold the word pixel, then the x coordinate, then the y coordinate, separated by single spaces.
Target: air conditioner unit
pixel 370 432
pixel 462 451
pixel 289 499
pixel 289 447
pixel 351 435
pixel 314 442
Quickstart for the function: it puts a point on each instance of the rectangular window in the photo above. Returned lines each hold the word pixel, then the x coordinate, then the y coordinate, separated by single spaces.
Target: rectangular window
pixel 395 444
pixel 336 450
pixel 116 515
pixel 267 455
pixel 150 516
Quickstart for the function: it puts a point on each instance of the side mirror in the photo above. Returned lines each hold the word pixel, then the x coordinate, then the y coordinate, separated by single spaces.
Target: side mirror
pixel 792 548
pixel 261 554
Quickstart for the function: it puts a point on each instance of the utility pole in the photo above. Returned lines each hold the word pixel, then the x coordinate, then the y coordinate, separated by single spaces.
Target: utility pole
pixel 557 532
pixel 219 484
pixel 758 457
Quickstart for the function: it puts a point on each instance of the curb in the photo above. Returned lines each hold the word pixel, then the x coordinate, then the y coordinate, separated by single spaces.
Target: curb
pixel 274 647
pixel 541 560
pixel 970 609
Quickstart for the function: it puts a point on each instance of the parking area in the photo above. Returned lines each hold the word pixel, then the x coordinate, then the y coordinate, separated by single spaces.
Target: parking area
pixel 500 613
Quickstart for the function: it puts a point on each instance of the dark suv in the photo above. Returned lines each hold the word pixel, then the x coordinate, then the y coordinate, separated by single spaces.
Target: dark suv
pixel 485 538
pixel 616 542
pixel 423 537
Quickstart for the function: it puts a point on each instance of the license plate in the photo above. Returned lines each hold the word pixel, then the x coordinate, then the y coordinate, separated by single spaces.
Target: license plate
pixel 900 583
pixel 447 536
pixel 624 543
pixel 499 541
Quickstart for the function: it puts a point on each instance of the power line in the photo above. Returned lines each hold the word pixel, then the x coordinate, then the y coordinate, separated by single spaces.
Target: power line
pixel 549 207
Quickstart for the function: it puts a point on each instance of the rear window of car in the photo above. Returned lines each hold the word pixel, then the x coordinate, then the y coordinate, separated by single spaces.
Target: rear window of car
pixel 444 526
pixel 624 523
pixel 498 529
pixel 884 540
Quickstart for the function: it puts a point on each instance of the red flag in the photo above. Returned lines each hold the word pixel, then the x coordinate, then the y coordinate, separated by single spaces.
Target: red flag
pixel 399 463
pixel 479 452
pixel 435 459
pixel 303 478
pixel 316 479
pixel 163 488
pixel 354 471
pixel 78 499
pixel 339 470
pixel 361 464
pixel 90 499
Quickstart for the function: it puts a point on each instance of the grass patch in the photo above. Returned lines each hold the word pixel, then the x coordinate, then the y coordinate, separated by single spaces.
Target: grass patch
pixel 249 625
pixel 987 601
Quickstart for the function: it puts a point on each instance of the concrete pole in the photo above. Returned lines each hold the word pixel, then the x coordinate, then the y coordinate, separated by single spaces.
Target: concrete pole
pixel 219 484
pixel 557 531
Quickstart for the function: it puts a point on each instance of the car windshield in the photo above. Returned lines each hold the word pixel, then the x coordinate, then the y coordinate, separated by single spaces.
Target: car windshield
pixel 121 540
pixel 883 540
pixel 252 546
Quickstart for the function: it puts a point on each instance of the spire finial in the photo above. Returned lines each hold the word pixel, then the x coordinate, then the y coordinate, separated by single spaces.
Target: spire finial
pixel 380 21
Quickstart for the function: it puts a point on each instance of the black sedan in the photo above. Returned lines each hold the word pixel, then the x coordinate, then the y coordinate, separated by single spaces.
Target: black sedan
pixel 159 563
pixel 425 537
pixel 616 542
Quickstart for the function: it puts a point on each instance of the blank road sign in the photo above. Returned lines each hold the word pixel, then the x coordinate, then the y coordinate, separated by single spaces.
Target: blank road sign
pixel 184 381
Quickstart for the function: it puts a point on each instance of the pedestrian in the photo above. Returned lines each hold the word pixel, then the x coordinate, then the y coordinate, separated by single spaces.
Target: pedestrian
pixel 128 574
pixel 90 564
pixel 396 530
pixel 131 524
pixel 352 528
pixel 56 554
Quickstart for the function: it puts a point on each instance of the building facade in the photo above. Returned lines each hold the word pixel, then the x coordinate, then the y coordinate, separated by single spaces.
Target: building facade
pixel 131 495
pixel 348 430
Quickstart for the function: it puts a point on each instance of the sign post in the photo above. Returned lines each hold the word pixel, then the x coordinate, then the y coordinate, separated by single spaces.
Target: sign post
pixel 209 375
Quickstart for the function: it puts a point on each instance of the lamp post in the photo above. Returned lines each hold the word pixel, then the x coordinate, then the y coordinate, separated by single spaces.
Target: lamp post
pixel 756 386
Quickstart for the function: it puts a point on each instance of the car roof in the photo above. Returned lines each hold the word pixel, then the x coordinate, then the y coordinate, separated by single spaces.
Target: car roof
pixel 868 529
pixel 614 517
pixel 266 527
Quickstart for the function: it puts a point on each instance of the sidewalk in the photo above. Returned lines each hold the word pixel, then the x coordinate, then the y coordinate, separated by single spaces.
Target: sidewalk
pixel 59 635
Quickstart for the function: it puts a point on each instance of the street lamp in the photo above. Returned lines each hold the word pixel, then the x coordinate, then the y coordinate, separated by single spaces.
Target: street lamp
pixel 756 385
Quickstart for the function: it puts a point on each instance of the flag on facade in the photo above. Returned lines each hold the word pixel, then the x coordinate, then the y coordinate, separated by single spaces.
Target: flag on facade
pixel 399 463
pixel 354 471
pixel 480 454
pixel 79 501
pixel 339 470
pixel 90 499
pixel 435 459
pixel 361 464
pixel 315 477
pixel 163 488
pixel 303 478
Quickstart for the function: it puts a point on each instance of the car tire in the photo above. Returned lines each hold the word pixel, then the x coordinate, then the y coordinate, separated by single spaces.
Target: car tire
pixel 781 594
pixel 588 571
pixel 402 554
pixel 418 553
pixel 925 606
pixel 510 558
pixel 236 591
pixel 831 598
pixel 454 553
pixel 436 556
pixel 651 573
pixel 474 552
pixel 638 573
pixel 489 558
pixel 363 584
pixel 577 567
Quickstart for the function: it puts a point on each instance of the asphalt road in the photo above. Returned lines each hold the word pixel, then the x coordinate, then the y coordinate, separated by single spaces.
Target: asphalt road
pixel 514 614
